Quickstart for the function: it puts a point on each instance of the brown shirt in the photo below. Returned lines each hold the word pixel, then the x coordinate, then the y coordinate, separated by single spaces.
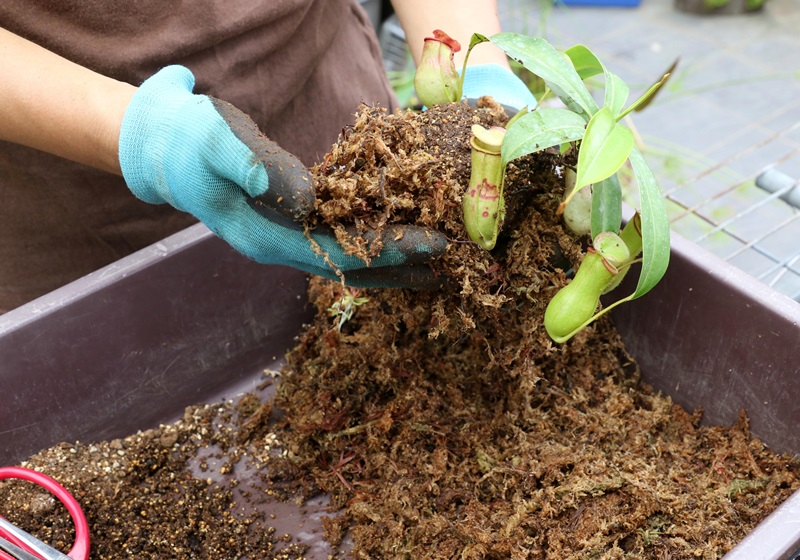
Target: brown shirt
pixel 299 68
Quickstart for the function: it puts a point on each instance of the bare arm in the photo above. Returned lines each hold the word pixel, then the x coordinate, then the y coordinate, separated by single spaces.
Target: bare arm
pixel 54 105
pixel 458 18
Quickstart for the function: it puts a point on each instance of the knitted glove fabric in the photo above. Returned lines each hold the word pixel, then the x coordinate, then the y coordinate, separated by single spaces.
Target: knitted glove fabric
pixel 205 157
pixel 499 82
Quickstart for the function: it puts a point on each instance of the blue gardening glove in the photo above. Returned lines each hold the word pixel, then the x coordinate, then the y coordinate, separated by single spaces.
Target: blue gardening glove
pixel 499 82
pixel 205 157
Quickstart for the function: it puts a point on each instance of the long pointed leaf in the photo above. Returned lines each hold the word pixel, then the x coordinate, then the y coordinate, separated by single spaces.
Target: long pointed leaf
pixel 541 129
pixel 541 58
pixel 655 226
pixel 640 106
pixel 649 95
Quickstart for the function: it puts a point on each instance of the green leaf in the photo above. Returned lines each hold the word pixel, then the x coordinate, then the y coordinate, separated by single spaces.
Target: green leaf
pixel 649 95
pixel 477 39
pixel 588 65
pixel 557 71
pixel 655 226
pixel 604 149
pixel 541 129
pixel 606 206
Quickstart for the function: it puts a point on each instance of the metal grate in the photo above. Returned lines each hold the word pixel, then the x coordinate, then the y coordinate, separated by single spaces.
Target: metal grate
pixel 752 222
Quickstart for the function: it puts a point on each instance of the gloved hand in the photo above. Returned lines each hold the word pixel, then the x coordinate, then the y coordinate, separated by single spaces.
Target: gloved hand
pixel 205 157
pixel 499 82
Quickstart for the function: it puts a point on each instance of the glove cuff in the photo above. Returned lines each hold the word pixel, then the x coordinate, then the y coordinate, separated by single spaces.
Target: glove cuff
pixel 499 82
pixel 144 140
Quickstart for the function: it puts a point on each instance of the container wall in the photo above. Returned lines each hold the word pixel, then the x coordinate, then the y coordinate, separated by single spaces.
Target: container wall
pixel 133 344
pixel 711 336
pixel 188 320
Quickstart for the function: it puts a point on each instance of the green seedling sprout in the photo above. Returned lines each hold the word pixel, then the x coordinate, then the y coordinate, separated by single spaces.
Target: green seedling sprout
pixel 483 204
pixel 344 308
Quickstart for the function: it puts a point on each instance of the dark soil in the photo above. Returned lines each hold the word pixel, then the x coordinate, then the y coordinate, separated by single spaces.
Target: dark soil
pixel 163 493
pixel 442 424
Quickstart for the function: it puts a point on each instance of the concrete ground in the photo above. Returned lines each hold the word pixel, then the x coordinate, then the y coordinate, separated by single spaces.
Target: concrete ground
pixel 730 111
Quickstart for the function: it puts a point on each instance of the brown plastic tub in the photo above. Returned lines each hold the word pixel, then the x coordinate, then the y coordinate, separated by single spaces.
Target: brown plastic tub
pixel 188 320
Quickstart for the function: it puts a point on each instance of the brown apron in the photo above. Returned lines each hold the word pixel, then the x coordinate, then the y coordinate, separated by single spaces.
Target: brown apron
pixel 299 68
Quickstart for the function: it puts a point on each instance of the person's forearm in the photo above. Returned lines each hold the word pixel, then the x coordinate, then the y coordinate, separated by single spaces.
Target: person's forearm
pixel 458 18
pixel 54 105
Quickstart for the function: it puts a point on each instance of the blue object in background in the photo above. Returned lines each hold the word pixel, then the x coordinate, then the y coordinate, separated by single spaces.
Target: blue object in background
pixel 608 3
